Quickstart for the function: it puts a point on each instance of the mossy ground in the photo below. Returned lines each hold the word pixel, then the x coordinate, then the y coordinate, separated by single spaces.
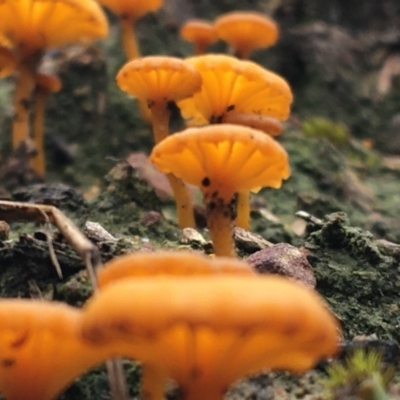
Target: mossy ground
pixel 91 126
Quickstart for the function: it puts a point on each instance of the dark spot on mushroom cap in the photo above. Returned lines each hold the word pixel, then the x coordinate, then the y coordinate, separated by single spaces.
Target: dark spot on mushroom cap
pixel 206 182
pixel 230 108
pixel 211 206
pixel 7 362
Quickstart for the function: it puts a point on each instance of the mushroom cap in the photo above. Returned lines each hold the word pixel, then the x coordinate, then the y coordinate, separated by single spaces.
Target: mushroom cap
pixel 223 159
pixel 235 85
pixel 167 263
pixel 8 62
pixel 132 9
pixel 247 30
pixel 209 331
pixel 199 31
pixel 33 26
pixel 263 123
pixel 41 351
pixel 48 83
pixel 159 78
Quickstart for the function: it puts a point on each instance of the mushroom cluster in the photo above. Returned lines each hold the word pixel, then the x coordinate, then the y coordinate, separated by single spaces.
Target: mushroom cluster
pixel 244 31
pixel 199 321
pixel 28 28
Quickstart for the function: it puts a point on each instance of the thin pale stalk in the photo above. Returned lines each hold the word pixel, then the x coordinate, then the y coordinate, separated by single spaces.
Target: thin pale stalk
pixel 129 40
pixel 184 208
pixel 243 211
pixel 220 218
pixel 38 162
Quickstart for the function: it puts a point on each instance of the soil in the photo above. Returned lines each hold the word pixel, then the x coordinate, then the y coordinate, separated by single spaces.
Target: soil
pixel 344 147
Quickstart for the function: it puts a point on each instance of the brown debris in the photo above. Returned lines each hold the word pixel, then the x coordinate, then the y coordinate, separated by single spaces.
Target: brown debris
pixel 4 230
pixel 284 259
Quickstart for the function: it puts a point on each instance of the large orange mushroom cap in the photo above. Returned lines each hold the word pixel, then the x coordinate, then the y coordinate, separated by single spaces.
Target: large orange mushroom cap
pixel 199 32
pixel 224 159
pixel 166 263
pixel 41 350
pixel 247 31
pixel 207 332
pixel 232 85
pixel 33 26
pixel 132 9
pixel 159 78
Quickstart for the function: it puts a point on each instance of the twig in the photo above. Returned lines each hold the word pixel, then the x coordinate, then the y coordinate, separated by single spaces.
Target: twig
pixel 14 211
pixel 309 218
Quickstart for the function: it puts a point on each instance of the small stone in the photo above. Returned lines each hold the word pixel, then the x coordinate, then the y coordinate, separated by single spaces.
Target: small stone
pixel 190 236
pixel 4 230
pixel 284 259
pixel 97 233
pixel 248 241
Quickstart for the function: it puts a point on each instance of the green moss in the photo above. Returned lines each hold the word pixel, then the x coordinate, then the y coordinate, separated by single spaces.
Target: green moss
pixel 360 284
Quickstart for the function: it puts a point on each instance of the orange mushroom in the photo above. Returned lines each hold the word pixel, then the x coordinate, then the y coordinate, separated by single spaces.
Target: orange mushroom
pixel 235 86
pixel 129 11
pixel 45 84
pixel 207 332
pixel 162 81
pixel 41 350
pixel 239 92
pixel 165 263
pixel 29 28
pixel 246 31
pixel 199 32
pixel 222 160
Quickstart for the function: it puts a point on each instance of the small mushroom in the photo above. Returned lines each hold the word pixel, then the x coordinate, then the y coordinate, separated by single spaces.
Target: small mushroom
pixel 207 332
pixel 222 160
pixel 199 32
pixel 235 86
pixel 29 28
pixel 45 85
pixel 41 350
pixel 161 81
pixel 246 31
pixel 129 11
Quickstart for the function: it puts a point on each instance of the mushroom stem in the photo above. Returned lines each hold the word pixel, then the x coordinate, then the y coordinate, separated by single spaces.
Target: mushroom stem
pixel 22 103
pixel 243 211
pixel 37 162
pixel 220 217
pixel 129 40
pixel 153 383
pixel 160 116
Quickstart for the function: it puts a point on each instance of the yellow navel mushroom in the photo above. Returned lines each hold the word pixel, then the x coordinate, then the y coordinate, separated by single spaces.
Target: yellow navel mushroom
pixel 160 81
pixel 205 332
pixel 246 31
pixel 199 32
pixel 223 160
pixel 41 349
pixel 30 27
